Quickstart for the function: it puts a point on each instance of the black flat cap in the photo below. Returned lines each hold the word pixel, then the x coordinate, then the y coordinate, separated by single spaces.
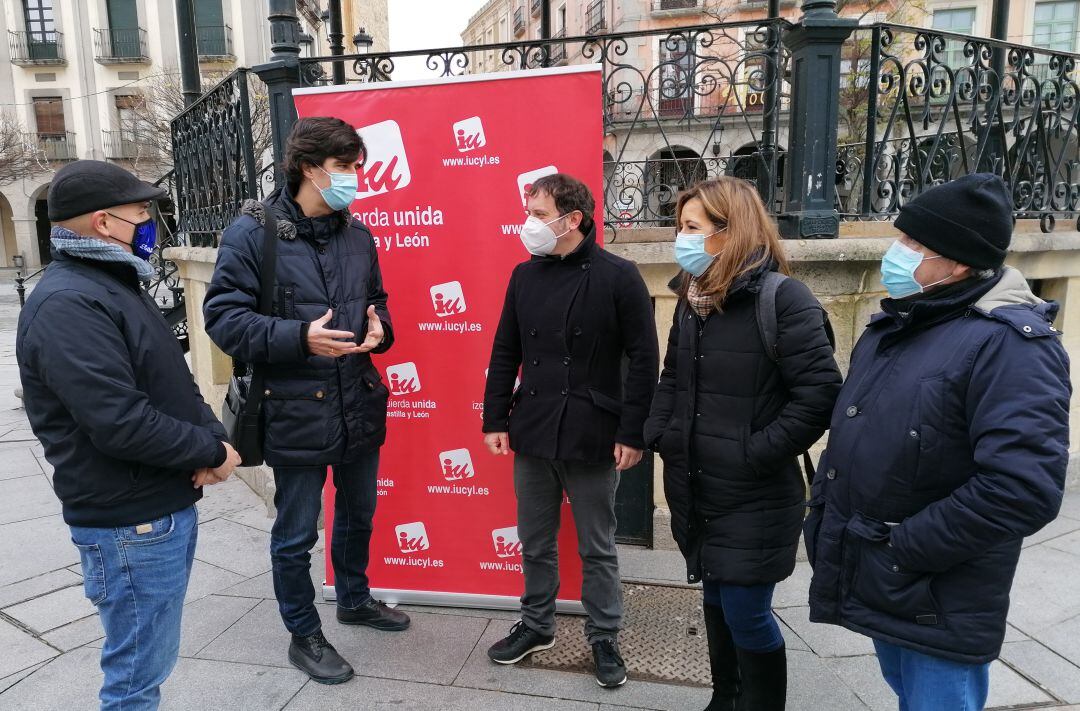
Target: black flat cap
pixel 85 186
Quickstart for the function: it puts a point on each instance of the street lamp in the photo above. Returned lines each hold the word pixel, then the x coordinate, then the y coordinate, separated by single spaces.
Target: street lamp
pixel 362 41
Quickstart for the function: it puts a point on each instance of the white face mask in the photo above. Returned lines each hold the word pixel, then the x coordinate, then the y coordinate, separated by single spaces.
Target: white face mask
pixel 538 238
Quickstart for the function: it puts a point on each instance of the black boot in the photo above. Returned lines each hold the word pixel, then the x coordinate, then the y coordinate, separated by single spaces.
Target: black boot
pixel 374 614
pixel 722 659
pixel 317 658
pixel 764 680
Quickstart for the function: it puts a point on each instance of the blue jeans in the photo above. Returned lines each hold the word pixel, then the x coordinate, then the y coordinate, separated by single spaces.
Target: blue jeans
pixel 926 683
pixel 748 613
pixel 137 577
pixel 296 530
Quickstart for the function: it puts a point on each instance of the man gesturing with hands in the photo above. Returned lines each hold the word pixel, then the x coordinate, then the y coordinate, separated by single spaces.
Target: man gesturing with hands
pixel 324 402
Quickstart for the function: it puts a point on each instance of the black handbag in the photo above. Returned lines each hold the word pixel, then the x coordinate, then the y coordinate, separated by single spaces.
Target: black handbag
pixel 242 413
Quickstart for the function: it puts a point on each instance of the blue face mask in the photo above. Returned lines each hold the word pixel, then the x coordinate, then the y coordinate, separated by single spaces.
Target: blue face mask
pixel 342 190
pixel 145 237
pixel 691 255
pixel 898 268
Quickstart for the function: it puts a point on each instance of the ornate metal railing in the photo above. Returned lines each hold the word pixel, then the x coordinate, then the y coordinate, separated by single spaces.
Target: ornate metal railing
pixel 594 17
pixel 922 107
pixel 213 159
pixel 30 48
pixel 120 45
pixel 718 90
pixel 165 288
pixel 214 42
pixel 54 146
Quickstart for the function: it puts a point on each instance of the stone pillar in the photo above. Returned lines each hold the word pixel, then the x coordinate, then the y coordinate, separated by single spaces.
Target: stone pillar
pixel 27 242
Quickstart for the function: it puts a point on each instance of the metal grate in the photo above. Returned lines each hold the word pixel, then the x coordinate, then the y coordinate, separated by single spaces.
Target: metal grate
pixel 664 638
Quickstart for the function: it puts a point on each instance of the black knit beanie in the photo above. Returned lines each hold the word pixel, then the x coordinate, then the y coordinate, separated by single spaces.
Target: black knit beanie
pixel 969 220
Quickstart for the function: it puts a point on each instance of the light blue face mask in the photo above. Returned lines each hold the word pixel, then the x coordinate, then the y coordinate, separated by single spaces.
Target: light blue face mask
pixel 898 268
pixel 341 191
pixel 690 252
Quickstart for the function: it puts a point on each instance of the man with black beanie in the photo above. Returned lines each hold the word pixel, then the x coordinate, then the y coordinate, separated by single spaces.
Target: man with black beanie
pixel 109 395
pixel 949 445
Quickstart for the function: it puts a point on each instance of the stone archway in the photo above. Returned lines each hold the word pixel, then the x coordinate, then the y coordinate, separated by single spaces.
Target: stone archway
pixel 9 245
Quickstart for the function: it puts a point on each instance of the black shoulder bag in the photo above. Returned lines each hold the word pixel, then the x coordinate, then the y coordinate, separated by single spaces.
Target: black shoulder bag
pixel 242 413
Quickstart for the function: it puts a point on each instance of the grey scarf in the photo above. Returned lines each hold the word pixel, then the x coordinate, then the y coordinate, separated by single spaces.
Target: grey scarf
pixel 67 242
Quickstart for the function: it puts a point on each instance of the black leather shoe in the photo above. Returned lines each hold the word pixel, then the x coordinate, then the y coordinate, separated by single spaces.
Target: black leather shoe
pixel 610 669
pixel 374 614
pixel 520 643
pixel 317 658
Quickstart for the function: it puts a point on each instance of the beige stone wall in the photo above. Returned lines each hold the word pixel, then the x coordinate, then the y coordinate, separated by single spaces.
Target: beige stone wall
pixel 842 272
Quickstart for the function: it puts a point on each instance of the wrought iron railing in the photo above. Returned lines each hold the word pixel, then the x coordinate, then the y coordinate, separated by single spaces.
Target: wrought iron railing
pixel 519 20
pixel 214 42
pixel 214 160
pixel 165 287
pixel 28 48
pixel 128 145
pixel 922 107
pixel 535 6
pixel 718 90
pixel 54 146
pixel 120 46
pixel 594 17
pixel 558 50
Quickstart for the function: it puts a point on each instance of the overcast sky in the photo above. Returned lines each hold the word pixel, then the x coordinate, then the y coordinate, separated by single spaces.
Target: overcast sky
pixel 420 24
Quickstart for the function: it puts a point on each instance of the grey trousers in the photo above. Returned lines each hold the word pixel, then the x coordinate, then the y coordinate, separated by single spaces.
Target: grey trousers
pixel 539 485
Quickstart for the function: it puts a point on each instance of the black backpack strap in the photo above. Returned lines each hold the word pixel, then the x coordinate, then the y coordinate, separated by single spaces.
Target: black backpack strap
pixel 766 313
pixel 267 277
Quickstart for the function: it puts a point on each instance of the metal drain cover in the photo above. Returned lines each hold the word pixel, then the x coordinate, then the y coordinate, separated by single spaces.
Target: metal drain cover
pixel 663 640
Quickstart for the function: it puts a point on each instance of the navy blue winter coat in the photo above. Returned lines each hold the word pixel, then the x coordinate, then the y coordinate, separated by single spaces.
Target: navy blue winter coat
pixel 319 410
pixel 948 445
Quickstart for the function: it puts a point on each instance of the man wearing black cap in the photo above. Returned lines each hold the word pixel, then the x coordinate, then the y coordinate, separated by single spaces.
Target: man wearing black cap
pixel 949 445
pixel 110 396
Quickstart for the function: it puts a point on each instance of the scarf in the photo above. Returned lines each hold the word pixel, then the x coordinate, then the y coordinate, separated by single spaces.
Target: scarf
pixel 71 244
pixel 701 304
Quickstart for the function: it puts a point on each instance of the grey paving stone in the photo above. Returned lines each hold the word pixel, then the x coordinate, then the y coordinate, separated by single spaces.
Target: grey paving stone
pixel 411 696
pixel 207 579
pixel 206 618
pixel 813 686
pixel 1007 688
pixel 1044 590
pixel 1070 505
pixel 199 684
pixel 18 461
pixel 1058 527
pixel 480 673
pixel 9 681
pixel 87 631
pixel 509 616
pixel 1014 635
pixel 262 586
pixel 793 592
pixel 56 609
pixel 1063 638
pixel 38 585
pixel 1068 543
pixel 27 498
pixel 232 546
pixel 256 517
pixel 69 682
pixel 792 640
pixel 20 650
pixel 863 676
pixel 1045 666
pixel 637 564
pixel 825 640
pixel 226 498
pixel 48 538
pixel 445 641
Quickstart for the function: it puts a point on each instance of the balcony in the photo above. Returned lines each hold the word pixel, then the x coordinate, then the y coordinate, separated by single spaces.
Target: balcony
pixel 54 146
pixel 534 8
pixel 120 46
pixel 215 43
pixel 594 18
pixel 36 48
pixel 519 21
pixel 558 51
pixel 666 5
pixel 126 145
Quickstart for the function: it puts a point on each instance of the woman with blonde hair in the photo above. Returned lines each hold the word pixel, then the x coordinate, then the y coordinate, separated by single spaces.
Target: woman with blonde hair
pixel 748 385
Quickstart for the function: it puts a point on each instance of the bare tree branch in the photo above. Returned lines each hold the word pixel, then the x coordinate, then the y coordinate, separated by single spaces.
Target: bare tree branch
pixel 21 154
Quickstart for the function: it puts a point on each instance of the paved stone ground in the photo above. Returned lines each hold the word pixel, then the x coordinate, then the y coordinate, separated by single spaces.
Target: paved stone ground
pixel 234 649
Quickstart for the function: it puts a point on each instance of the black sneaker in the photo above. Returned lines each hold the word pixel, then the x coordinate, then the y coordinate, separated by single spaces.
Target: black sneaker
pixel 610 669
pixel 520 643
pixel 317 658
pixel 374 614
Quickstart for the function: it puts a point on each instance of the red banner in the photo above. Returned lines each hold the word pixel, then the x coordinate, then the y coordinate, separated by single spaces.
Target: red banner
pixel 442 191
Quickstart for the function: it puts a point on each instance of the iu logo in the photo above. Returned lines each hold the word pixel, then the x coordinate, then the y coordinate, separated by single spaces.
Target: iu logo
pixel 386 167
pixel 507 543
pixel 456 464
pixel 469 134
pixel 525 181
pixel 412 537
pixel 448 299
pixel 403 379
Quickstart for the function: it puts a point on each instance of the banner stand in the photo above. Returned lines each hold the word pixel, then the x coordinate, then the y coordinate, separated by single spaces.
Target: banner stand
pixel 448 599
